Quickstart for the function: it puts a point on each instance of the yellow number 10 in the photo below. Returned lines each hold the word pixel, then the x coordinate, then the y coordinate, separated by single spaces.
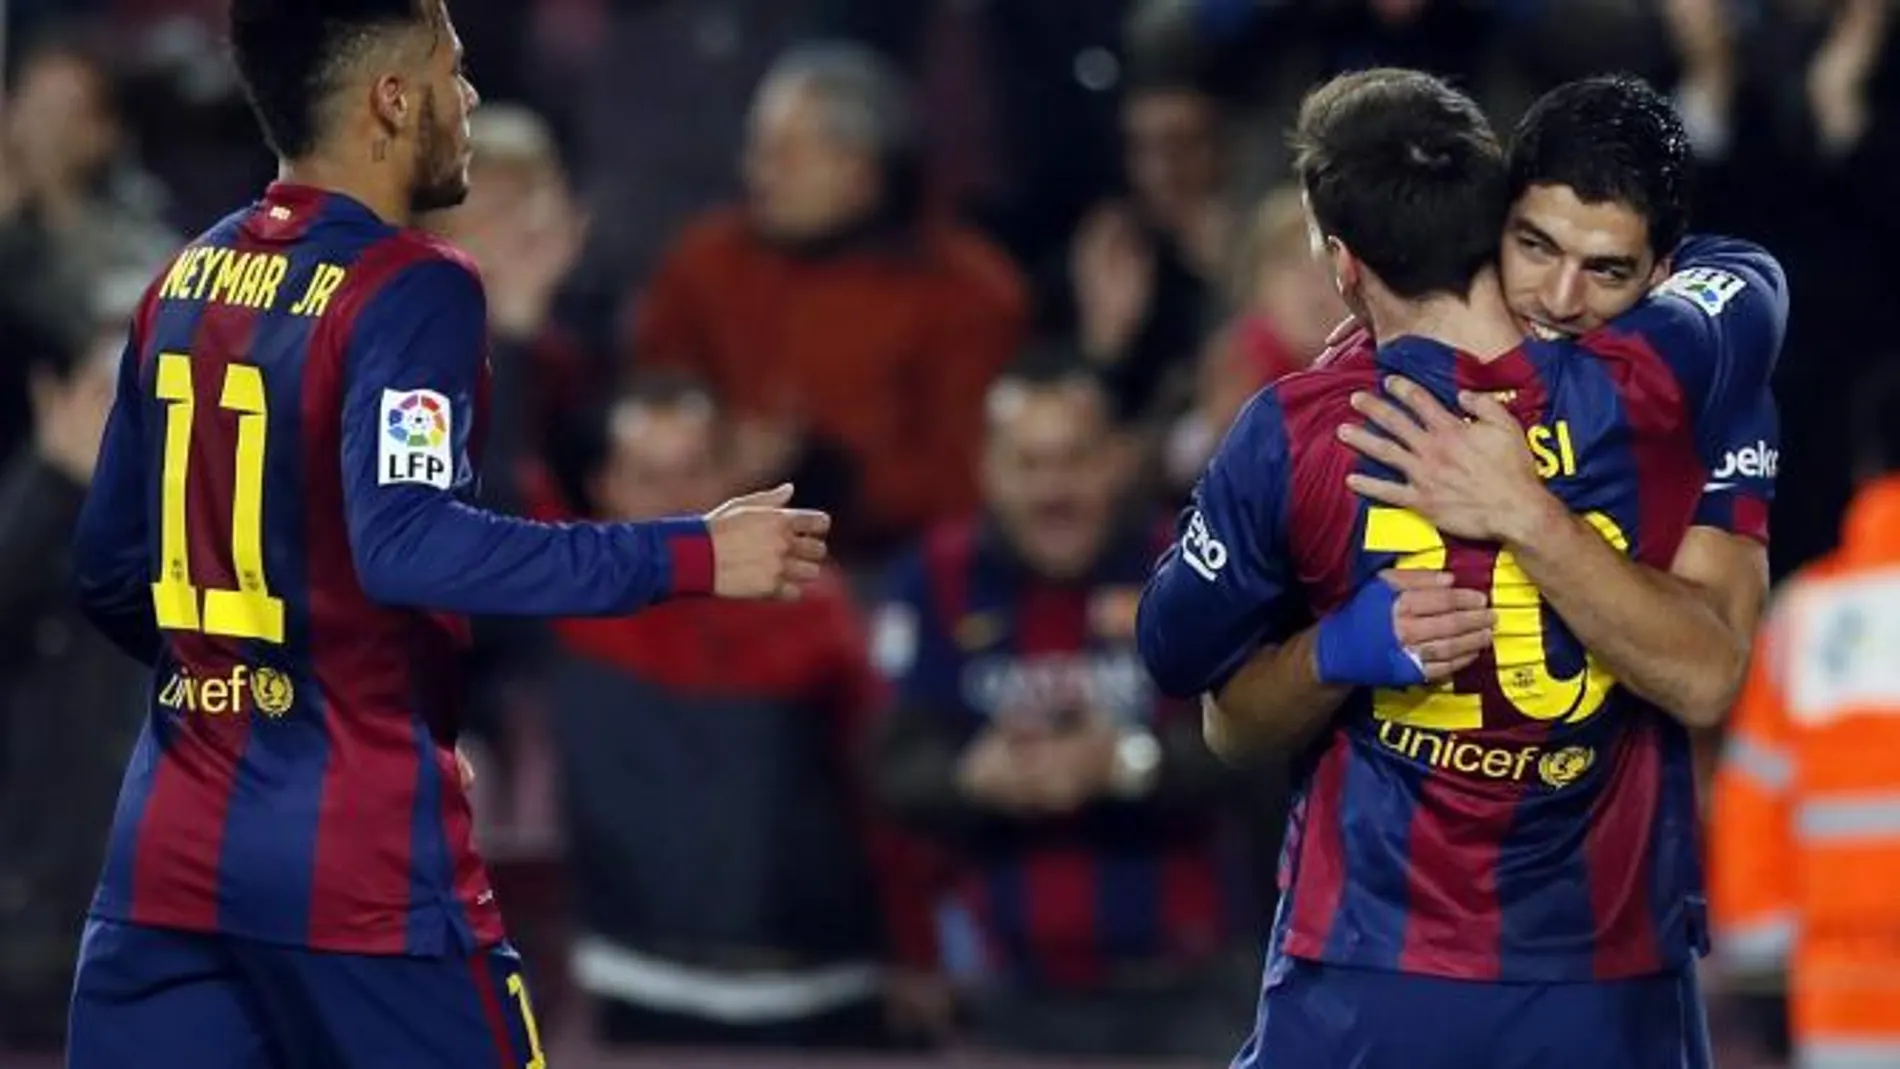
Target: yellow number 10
pixel 1523 672
pixel 249 611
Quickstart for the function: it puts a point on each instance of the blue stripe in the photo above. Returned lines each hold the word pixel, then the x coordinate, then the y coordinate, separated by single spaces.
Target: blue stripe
pixel 1543 881
pixel 1127 906
pixel 1379 798
pixel 1377 803
pixel 114 895
pixel 1678 904
pixel 431 869
pixel 268 866
pixel 1009 919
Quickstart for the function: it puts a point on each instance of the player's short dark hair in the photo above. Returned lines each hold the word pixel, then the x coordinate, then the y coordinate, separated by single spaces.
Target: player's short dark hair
pixel 1611 139
pixel 1407 172
pixel 1876 426
pixel 291 54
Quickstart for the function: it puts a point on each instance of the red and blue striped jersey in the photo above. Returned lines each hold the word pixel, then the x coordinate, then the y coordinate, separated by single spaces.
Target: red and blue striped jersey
pixel 970 633
pixel 277 527
pixel 1530 819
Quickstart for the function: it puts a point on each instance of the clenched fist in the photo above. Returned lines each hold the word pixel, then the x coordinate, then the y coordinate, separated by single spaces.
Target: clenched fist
pixel 1446 627
pixel 761 549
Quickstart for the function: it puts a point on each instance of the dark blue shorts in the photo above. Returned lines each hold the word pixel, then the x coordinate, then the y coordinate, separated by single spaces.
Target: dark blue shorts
pixel 147 996
pixel 1317 1016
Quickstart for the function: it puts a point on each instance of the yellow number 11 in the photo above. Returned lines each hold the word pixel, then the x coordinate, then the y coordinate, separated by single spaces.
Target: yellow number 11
pixel 249 611
pixel 519 989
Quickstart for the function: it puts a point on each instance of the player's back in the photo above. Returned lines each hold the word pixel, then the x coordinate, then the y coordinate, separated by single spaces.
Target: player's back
pixel 1519 822
pixel 295 781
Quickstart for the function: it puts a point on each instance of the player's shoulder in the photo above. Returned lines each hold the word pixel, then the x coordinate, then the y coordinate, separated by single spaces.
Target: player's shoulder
pixel 1321 393
pixel 412 248
pixel 423 269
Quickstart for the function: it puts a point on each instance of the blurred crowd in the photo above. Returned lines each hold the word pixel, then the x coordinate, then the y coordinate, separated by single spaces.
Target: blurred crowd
pixel 985 279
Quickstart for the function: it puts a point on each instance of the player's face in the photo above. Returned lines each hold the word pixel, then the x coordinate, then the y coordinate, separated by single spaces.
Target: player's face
pixel 1569 267
pixel 661 462
pixel 442 139
pixel 1051 474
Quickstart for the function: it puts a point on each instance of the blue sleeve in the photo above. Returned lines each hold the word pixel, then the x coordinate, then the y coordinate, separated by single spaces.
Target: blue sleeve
pixel 910 645
pixel 1719 320
pixel 414 362
pixel 1220 591
pixel 111 568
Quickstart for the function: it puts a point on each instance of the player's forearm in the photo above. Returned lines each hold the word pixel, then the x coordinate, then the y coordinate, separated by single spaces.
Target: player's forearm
pixel 1275 702
pixel 1659 636
pixel 443 555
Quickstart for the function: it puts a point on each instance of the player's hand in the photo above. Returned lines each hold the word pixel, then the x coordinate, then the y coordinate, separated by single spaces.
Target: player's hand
pixel 761 549
pixel 1472 479
pixel 1444 626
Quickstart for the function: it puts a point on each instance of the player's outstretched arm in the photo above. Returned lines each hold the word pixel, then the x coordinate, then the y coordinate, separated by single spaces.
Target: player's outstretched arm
pixel 412 368
pixel 111 570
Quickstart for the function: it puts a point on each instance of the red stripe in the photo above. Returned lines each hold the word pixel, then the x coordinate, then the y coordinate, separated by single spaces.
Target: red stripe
pixel 947 555
pixel 361 872
pixel 1459 828
pixel 1193 902
pixel 491 995
pixel 691 557
pixel 1322 516
pixel 1621 836
pixel 1750 518
pixel 1059 885
pixel 1618 846
pixel 1059 910
pixel 1319 856
pixel 181 835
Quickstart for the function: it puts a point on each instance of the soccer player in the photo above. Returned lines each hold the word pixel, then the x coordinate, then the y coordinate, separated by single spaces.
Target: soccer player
pixel 1598 172
pixel 1504 812
pixel 277 527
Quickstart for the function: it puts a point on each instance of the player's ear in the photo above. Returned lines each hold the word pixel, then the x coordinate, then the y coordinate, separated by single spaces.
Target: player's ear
pixel 1665 266
pixel 389 101
pixel 1345 265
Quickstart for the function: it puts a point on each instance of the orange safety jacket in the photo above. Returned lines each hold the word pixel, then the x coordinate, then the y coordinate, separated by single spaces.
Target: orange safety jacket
pixel 1805 819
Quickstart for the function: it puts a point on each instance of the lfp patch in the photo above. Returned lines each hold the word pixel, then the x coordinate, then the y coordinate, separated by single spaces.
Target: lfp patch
pixel 416 442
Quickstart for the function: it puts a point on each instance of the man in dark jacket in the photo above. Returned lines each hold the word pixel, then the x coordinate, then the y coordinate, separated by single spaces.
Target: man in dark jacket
pixel 69 701
pixel 732 889
pixel 1090 823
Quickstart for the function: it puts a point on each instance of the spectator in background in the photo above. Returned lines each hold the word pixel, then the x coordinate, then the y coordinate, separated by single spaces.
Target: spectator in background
pixel 70 705
pixel 524 230
pixel 1284 306
pixel 1087 817
pixel 1139 279
pixel 732 889
pixel 72 209
pixel 848 328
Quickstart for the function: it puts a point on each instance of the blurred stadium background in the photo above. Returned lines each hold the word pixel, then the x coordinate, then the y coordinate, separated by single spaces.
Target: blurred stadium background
pixel 727 241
